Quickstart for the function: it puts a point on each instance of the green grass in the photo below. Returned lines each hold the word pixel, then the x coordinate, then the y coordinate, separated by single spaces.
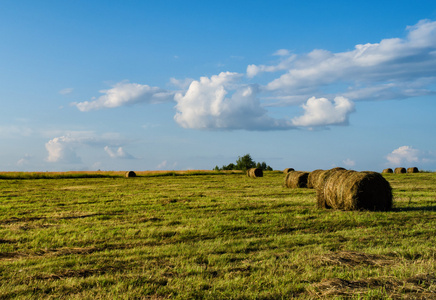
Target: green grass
pixel 203 236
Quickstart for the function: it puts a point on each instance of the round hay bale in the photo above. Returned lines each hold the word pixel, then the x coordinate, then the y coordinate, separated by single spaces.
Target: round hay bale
pixel 412 170
pixel 296 179
pixel 399 170
pixel 313 177
pixel 254 172
pixel 388 171
pixel 287 170
pixel 351 190
pixel 130 174
pixel 318 179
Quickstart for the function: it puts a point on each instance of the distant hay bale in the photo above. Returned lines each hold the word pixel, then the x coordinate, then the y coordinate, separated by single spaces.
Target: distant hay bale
pixel 287 170
pixel 399 170
pixel 319 177
pixel 130 174
pixel 296 179
pixel 312 178
pixel 388 171
pixel 412 170
pixel 254 172
pixel 351 190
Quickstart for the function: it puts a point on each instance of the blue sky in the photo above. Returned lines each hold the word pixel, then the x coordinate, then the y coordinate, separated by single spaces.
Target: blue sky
pixel 177 85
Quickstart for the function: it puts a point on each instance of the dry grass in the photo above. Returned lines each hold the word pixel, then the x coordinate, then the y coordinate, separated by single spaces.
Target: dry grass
pixel 388 171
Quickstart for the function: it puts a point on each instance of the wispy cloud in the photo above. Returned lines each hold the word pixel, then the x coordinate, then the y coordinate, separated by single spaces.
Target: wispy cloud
pixel 380 66
pixel 66 91
pixel 125 93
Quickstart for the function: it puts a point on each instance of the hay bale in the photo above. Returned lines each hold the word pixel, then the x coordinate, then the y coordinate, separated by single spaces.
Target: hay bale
pixel 312 179
pixel 412 170
pixel 351 190
pixel 287 170
pixel 388 171
pixel 130 174
pixel 319 177
pixel 296 179
pixel 399 170
pixel 254 172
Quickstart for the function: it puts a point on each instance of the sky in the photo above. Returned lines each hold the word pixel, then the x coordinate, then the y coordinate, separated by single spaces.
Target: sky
pixel 182 85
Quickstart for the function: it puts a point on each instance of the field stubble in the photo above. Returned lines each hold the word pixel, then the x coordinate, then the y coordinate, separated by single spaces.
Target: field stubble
pixel 211 236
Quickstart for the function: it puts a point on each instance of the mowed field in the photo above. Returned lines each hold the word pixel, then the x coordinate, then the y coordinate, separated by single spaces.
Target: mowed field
pixel 209 235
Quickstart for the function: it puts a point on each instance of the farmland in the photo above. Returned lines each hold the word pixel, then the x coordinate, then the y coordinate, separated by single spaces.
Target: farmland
pixel 209 235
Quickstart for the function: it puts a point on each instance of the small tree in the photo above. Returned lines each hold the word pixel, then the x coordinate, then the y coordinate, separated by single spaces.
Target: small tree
pixel 245 162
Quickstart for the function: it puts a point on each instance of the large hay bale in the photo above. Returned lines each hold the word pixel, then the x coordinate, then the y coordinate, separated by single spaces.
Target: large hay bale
pixel 319 177
pixel 130 174
pixel 388 171
pixel 313 178
pixel 296 179
pixel 412 170
pixel 287 170
pixel 254 172
pixel 351 190
pixel 399 170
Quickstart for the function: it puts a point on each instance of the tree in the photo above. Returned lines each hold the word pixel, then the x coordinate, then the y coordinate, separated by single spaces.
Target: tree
pixel 245 162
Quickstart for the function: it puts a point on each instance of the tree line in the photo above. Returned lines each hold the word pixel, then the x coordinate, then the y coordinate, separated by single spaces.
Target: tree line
pixel 244 163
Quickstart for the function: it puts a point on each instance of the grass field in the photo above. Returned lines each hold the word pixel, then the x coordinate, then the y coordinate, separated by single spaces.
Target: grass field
pixel 209 235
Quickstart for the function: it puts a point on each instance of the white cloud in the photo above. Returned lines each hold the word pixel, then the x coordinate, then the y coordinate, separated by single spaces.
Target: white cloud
pixel 24 160
pixel 66 91
pixel 404 155
pixel 387 65
pixel 394 68
pixel 181 83
pixel 321 112
pixel 64 148
pixel 282 52
pixel 220 102
pixel 162 165
pixel 124 93
pixel 118 153
pixel 349 162
pixel 285 64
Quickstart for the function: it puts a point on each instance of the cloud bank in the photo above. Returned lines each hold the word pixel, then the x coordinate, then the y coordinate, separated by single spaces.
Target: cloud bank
pixel 325 84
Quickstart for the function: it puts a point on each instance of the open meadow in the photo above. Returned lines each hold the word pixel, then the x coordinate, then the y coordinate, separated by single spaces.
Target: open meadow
pixel 209 235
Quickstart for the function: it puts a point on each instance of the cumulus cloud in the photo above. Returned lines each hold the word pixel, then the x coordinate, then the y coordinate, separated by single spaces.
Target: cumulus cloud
pixel 404 155
pixel 220 102
pixel 118 153
pixel 321 112
pixel 64 148
pixel 124 93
